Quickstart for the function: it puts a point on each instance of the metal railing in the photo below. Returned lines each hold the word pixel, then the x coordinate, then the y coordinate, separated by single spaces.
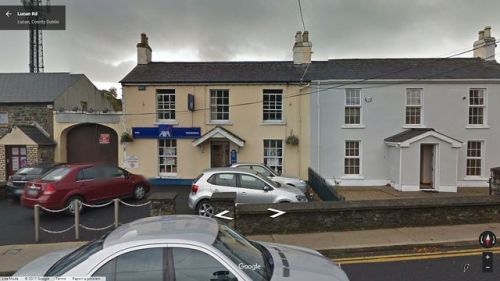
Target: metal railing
pixel 77 225
pixel 324 190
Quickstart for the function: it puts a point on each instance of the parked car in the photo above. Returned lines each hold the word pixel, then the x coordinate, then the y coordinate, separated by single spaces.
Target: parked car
pixel 184 247
pixel 16 182
pixel 250 187
pixel 272 174
pixel 88 183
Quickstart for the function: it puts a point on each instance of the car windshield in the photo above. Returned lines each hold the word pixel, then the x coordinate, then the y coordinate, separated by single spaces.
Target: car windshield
pixel 256 264
pixel 76 257
pixel 29 171
pixel 269 181
pixel 56 174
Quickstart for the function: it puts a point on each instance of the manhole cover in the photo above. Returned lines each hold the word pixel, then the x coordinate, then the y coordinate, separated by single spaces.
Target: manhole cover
pixel 11 252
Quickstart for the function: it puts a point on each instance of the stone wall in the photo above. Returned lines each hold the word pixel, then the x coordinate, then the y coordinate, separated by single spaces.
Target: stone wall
pixel 25 114
pixel 32 154
pixel 3 168
pixel 45 154
pixel 361 215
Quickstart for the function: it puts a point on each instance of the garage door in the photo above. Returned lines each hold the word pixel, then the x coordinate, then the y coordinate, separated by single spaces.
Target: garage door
pixel 92 143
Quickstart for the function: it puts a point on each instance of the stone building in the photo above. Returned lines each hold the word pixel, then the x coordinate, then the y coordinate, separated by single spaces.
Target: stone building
pixel 28 102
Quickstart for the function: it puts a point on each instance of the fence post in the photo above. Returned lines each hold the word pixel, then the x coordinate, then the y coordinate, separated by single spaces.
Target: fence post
pixel 76 207
pixel 37 222
pixel 117 211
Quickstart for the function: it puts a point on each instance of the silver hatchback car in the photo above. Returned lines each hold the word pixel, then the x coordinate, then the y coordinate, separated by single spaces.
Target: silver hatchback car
pixel 183 247
pixel 249 186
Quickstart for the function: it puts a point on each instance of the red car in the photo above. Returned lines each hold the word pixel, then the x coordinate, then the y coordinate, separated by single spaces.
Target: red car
pixel 88 183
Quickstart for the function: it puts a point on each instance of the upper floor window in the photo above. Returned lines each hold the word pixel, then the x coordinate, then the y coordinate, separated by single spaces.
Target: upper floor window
pixel 413 107
pixel 273 105
pixel 165 104
pixel 219 105
pixel 477 106
pixel 352 114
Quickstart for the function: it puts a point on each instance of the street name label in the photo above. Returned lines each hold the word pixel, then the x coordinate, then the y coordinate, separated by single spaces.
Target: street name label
pixel 21 18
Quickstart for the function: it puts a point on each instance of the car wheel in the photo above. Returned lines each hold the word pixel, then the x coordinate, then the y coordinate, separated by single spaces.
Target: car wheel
pixel 139 192
pixel 205 209
pixel 71 201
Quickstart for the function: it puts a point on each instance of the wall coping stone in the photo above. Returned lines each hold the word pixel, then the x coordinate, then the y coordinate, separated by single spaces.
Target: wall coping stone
pixel 162 196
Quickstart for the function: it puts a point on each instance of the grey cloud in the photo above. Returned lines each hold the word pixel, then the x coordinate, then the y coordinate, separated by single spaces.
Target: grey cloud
pixel 102 33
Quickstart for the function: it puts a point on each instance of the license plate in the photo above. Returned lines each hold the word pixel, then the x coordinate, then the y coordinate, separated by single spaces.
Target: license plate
pixel 32 192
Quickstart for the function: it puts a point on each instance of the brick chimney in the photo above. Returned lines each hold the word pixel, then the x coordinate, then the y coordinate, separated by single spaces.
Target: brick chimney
pixel 484 47
pixel 143 50
pixel 302 49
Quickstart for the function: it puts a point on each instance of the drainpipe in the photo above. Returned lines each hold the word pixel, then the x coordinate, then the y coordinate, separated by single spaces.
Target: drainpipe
pixel 319 135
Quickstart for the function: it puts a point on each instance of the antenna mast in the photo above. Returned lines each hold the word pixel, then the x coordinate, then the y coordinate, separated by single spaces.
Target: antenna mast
pixel 35 29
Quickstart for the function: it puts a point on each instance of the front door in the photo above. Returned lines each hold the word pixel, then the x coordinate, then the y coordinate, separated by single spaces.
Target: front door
pixel 219 154
pixel 15 158
pixel 427 166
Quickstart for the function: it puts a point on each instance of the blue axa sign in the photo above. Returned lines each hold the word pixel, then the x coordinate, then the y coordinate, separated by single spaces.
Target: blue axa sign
pixel 166 132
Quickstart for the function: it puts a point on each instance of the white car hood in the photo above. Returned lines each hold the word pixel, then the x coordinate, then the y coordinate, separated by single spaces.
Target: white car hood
pixel 39 266
pixel 297 263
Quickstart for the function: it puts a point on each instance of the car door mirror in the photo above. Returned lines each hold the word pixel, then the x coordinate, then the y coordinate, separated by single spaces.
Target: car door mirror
pixel 267 188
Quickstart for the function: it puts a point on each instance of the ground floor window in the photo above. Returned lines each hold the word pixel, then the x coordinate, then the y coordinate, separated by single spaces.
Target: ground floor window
pixel 167 153
pixel 352 158
pixel 474 158
pixel 273 155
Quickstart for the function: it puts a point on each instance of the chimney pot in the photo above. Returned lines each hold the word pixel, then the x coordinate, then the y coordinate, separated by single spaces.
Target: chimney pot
pixel 144 51
pixel 305 36
pixel 487 32
pixel 298 37
pixel 481 34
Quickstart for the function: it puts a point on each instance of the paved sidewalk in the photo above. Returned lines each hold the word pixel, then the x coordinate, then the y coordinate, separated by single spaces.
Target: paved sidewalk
pixel 13 257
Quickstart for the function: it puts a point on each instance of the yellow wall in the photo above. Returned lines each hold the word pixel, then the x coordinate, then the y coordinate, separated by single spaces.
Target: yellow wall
pixel 244 121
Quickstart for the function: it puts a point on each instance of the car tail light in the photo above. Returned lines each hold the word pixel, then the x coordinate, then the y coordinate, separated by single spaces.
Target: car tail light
pixel 194 188
pixel 49 189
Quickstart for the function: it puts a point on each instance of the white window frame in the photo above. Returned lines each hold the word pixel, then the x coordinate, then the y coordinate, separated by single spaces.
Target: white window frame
pixel 167 106
pixel 352 157
pixel 165 156
pixel 483 106
pixel 272 107
pixel 481 158
pixel 419 106
pixel 347 106
pixel 215 106
pixel 276 156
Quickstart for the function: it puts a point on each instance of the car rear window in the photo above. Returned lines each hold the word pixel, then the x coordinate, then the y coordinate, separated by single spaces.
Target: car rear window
pixel 30 171
pixel 76 257
pixel 56 174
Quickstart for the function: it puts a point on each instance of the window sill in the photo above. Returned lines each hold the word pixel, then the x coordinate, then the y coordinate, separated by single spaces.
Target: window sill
pixel 273 123
pixel 475 178
pixel 349 126
pixel 166 122
pixel 414 126
pixel 477 127
pixel 219 123
pixel 352 177
pixel 167 175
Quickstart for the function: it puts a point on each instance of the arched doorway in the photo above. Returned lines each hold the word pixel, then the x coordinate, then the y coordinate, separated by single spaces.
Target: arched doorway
pixel 92 143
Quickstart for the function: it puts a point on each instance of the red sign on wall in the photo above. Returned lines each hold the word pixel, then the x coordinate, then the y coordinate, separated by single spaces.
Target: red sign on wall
pixel 104 139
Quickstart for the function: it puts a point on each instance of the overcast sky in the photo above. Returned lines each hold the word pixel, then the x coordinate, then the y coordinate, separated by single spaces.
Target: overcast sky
pixel 101 35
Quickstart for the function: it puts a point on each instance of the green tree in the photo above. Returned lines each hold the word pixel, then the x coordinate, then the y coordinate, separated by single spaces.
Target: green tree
pixel 112 97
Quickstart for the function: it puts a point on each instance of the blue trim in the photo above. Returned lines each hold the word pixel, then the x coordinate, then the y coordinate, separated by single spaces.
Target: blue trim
pixel 170 181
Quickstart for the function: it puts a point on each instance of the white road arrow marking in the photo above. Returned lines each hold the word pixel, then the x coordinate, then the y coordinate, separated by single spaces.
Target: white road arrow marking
pixel 221 215
pixel 278 213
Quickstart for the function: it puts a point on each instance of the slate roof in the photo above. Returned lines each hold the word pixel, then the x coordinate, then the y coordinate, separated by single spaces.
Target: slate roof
pixel 411 133
pixel 286 71
pixel 34 87
pixel 36 135
pixel 408 134
pixel 216 72
pixel 415 68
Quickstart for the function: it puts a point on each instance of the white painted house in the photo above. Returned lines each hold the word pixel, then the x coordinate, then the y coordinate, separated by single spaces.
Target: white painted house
pixel 412 123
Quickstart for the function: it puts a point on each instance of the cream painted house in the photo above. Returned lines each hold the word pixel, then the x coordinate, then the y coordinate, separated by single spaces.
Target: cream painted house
pixel 189 116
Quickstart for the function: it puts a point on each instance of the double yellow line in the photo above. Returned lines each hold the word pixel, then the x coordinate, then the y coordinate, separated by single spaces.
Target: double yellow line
pixel 415 256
